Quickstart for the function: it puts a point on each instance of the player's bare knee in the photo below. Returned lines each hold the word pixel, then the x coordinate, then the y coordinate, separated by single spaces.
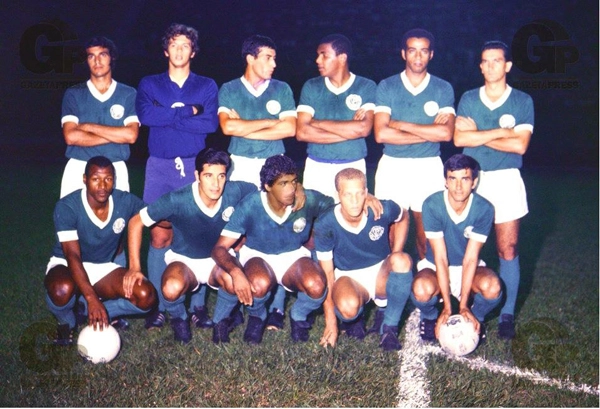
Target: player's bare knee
pixel 423 289
pixel 172 288
pixel 262 284
pixel 490 287
pixel 61 291
pixel 315 285
pixel 400 262
pixel 348 307
pixel 144 295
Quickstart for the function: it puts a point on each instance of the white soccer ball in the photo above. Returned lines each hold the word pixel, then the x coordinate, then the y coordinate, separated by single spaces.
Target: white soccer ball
pixel 99 346
pixel 458 336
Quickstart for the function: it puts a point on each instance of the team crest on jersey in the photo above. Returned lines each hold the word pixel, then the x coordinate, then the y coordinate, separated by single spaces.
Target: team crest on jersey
pixel 353 102
pixel 117 111
pixel 177 105
pixel 431 108
pixel 226 215
pixel 468 231
pixel 273 107
pixel 118 225
pixel 507 121
pixel 376 233
pixel 299 225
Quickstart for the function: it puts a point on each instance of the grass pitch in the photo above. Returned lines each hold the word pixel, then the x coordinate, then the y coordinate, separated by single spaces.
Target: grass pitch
pixel 557 328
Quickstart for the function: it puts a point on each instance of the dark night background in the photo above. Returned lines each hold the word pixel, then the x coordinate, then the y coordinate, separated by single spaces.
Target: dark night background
pixel 566 124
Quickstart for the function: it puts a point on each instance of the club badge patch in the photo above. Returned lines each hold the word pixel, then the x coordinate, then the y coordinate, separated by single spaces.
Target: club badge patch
pixel 299 225
pixel 226 215
pixel 376 233
pixel 507 121
pixel 353 102
pixel 117 111
pixel 468 231
pixel 273 107
pixel 118 225
pixel 431 108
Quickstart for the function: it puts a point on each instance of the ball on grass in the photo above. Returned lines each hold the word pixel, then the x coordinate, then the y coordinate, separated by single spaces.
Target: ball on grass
pixel 99 346
pixel 458 336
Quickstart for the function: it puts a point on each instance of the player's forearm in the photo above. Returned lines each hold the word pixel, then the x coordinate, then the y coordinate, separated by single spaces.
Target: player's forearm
pixel 226 261
pixel 517 143
pixel 242 127
pixel 352 129
pixel 400 232
pixel 308 132
pixel 74 136
pixel 281 130
pixel 467 138
pixel 134 242
pixel 198 124
pixel 430 133
pixel 468 273
pixel 116 134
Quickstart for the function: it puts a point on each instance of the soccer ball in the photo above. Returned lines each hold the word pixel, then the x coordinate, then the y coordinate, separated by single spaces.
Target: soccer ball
pixel 458 336
pixel 99 346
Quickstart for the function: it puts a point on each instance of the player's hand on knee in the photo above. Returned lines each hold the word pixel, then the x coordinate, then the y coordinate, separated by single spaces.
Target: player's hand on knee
pixel 97 316
pixel 243 289
pixel 131 278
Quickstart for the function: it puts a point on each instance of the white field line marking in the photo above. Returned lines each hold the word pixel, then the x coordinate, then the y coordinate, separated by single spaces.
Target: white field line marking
pixel 413 388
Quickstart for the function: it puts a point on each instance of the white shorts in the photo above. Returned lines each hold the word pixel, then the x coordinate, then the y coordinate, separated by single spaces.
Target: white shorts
pixel 280 263
pixel 367 277
pixel 320 176
pixel 455 273
pixel 201 267
pixel 95 271
pixel 506 191
pixel 409 181
pixel 72 179
pixel 246 169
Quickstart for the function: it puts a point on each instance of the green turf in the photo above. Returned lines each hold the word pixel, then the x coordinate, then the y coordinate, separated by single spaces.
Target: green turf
pixel 557 326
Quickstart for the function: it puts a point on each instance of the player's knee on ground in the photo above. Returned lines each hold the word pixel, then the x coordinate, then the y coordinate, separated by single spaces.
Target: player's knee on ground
pixel 423 288
pixel 60 290
pixel 144 295
pixel 400 262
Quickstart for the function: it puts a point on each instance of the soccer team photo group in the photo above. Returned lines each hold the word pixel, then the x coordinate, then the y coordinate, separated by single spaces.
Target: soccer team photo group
pixel 409 262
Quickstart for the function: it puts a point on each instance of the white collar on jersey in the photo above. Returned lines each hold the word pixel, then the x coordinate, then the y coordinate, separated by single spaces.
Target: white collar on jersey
pixel 256 92
pixel 92 216
pixel 100 96
pixel 272 215
pixel 409 87
pixel 457 218
pixel 337 211
pixel 343 88
pixel 203 207
pixel 494 104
